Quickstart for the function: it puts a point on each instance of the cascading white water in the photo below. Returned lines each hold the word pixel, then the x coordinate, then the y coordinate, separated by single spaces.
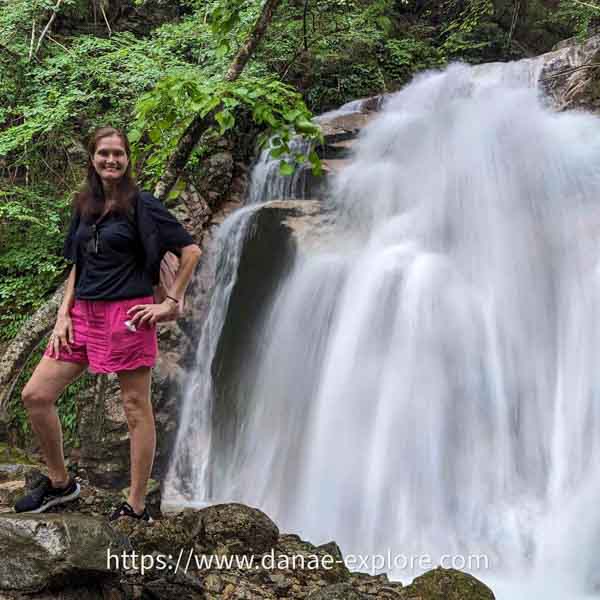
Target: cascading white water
pixel 267 182
pixel 187 481
pixel 431 385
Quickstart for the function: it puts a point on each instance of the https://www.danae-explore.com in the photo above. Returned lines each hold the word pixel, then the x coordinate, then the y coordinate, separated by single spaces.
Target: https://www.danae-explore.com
pixel 187 559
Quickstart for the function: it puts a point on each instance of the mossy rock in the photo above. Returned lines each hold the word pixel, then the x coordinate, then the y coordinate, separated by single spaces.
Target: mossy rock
pixel 224 529
pixel 447 584
pixel 10 455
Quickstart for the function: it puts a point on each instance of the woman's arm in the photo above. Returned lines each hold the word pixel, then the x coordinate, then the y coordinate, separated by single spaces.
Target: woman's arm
pixel 62 335
pixel 190 255
pixel 153 313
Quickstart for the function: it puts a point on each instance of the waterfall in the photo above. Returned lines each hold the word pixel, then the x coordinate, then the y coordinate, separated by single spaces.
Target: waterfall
pixel 187 482
pixel 267 182
pixel 428 383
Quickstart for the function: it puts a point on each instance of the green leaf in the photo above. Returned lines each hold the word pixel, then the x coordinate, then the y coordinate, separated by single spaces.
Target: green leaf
pixel 177 189
pixel 225 119
pixel 385 23
pixel 209 104
pixel 315 161
pixel 300 158
pixel 155 134
pixel 304 126
pixel 222 50
pixel 277 152
pixel 292 115
pixel 134 136
pixel 286 168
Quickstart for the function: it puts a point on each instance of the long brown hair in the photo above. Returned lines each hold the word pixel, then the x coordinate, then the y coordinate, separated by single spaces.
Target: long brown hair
pixel 89 202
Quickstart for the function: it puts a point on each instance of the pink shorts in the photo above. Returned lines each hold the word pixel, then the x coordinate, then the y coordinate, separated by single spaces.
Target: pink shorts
pixel 102 340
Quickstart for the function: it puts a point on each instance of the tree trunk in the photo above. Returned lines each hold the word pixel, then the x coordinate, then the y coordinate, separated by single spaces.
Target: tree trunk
pixel 247 50
pixel 305 26
pixel 199 125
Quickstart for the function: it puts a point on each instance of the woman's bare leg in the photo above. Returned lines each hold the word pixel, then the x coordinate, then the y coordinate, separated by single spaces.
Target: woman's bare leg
pixel 135 392
pixel 48 381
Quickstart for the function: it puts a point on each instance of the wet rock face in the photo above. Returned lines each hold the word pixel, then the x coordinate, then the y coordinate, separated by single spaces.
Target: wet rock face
pixel 268 253
pixel 214 177
pixel 570 76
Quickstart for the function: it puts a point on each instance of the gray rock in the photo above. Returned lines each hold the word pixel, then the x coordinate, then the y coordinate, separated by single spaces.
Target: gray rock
pixel 221 529
pixel 238 529
pixel 213 177
pixel 338 591
pixel 569 76
pixel 53 550
pixel 89 592
pixel 165 590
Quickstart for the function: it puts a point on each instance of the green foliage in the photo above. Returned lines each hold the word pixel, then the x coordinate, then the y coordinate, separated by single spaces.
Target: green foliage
pixel 335 59
pixel 577 16
pixel 402 58
pixel 21 18
pixel 164 113
pixel 97 81
pixel 30 244
pixel 67 406
pixel 472 33
pixel 230 21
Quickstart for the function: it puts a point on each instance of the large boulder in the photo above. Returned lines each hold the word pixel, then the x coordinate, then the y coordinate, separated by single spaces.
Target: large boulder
pixel 223 529
pixel 52 551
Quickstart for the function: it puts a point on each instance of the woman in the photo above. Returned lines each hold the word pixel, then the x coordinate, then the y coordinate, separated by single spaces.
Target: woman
pixel 107 320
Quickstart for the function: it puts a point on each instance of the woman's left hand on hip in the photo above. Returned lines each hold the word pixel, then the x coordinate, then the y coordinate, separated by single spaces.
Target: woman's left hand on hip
pixel 151 314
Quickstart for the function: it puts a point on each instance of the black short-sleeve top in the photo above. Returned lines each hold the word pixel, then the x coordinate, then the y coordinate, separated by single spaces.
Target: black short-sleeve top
pixel 118 256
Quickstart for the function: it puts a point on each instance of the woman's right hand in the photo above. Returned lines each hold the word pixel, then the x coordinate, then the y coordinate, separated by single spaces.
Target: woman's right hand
pixel 62 335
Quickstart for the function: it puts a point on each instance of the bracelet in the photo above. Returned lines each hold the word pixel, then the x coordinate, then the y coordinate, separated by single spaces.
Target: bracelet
pixel 171 298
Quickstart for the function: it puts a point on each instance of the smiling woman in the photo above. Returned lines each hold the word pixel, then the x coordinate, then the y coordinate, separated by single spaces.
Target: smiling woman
pixel 107 320
pixel 110 158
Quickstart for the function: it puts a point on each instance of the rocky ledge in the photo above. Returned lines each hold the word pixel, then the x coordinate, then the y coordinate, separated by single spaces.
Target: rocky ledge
pixel 222 552
pixel 227 551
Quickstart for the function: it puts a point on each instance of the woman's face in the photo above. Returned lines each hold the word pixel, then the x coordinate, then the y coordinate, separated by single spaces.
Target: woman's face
pixel 110 159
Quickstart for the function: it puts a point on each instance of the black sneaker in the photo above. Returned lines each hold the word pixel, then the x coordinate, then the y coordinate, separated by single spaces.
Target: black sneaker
pixel 125 510
pixel 44 496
